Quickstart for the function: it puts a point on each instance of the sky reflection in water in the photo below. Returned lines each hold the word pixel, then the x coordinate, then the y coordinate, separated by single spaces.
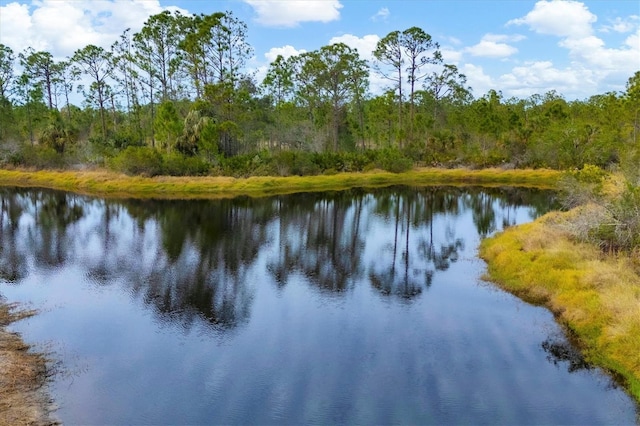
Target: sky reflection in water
pixel 343 307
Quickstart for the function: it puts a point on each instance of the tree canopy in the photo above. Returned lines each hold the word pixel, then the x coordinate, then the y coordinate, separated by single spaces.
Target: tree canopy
pixel 181 86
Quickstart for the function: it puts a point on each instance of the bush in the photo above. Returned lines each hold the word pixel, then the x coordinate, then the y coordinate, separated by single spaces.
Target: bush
pixel 328 161
pixel 625 212
pixel 295 163
pixel 237 165
pixel 582 186
pixel 181 165
pixel 138 161
pixel 612 223
pixel 393 161
pixel 39 157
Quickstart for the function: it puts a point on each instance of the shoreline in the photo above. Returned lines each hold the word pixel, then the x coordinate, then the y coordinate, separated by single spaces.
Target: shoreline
pixel 594 295
pixel 24 395
pixel 113 185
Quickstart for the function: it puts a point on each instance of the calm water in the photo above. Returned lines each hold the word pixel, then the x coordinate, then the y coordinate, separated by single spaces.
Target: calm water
pixel 344 307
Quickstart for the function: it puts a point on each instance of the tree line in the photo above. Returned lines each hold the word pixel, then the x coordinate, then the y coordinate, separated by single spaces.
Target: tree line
pixel 177 98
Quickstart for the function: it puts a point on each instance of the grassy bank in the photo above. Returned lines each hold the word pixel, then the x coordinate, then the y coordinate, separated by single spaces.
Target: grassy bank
pixel 596 296
pixel 109 184
pixel 23 397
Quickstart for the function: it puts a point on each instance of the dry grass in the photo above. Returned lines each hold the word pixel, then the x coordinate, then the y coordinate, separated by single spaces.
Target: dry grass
pixel 596 296
pixel 23 397
pixel 108 184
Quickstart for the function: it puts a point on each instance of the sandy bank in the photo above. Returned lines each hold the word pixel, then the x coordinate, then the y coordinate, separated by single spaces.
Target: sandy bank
pixel 24 398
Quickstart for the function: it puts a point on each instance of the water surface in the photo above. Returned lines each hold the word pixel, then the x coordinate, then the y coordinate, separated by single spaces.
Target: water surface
pixel 343 307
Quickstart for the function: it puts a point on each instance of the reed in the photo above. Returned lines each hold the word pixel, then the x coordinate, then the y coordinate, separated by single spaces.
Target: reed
pixel 109 184
pixel 596 296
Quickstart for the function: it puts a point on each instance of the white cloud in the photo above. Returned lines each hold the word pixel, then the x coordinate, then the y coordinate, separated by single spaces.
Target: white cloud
pixel 541 77
pixel 281 13
pixel 591 52
pixel 491 47
pixel 560 18
pixel 531 78
pixel 622 25
pixel 381 15
pixel 365 45
pixel 16 30
pixel 591 62
pixel 61 27
pixel 502 38
pixel 286 52
pixel 450 39
pixel 477 79
pixel 451 56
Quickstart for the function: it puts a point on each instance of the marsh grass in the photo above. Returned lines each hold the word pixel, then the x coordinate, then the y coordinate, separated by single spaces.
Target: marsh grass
pixel 23 397
pixel 109 184
pixel 596 296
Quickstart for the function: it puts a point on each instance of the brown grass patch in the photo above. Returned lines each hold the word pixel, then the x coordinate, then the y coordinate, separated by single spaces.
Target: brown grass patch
pixel 23 396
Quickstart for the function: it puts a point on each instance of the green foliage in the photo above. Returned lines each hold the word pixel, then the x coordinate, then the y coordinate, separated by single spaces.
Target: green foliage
pixel 175 164
pixel 142 90
pixel 57 134
pixel 581 186
pixel 392 160
pixel 288 163
pixel 168 125
pixel 38 157
pixel 138 161
pixel 589 174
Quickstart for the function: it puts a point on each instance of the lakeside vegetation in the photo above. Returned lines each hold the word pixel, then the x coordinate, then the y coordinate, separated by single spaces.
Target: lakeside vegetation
pixel 597 297
pixel 111 184
pixel 584 265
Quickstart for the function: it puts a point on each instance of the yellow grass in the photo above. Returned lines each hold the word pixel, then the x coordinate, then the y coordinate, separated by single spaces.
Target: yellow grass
pixel 596 296
pixel 110 184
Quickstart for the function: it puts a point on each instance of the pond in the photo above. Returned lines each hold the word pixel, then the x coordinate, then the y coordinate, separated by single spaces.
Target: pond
pixel 359 306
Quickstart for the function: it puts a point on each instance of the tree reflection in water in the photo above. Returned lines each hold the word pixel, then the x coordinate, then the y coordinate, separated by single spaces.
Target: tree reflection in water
pixel 559 350
pixel 194 259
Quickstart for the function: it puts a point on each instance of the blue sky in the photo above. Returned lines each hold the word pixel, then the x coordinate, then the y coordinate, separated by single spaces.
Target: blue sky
pixel 578 48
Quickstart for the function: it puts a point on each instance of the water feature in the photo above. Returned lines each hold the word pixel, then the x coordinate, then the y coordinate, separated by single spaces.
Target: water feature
pixel 360 306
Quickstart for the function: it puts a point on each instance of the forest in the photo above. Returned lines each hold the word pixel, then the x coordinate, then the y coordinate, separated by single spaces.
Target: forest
pixel 176 98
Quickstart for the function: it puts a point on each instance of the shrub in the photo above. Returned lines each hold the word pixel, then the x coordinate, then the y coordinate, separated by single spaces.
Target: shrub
pixel 393 161
pixel 625 212
pixel 328 161
pixel 138 161
pixel 581 186
pixel 295 163
pixel 180 165
pixel 39 157
pixel 612 223
pixel 237 165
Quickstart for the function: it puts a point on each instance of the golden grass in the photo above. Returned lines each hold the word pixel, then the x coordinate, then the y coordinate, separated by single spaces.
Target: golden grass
pixel 596 296
pixel 108 184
